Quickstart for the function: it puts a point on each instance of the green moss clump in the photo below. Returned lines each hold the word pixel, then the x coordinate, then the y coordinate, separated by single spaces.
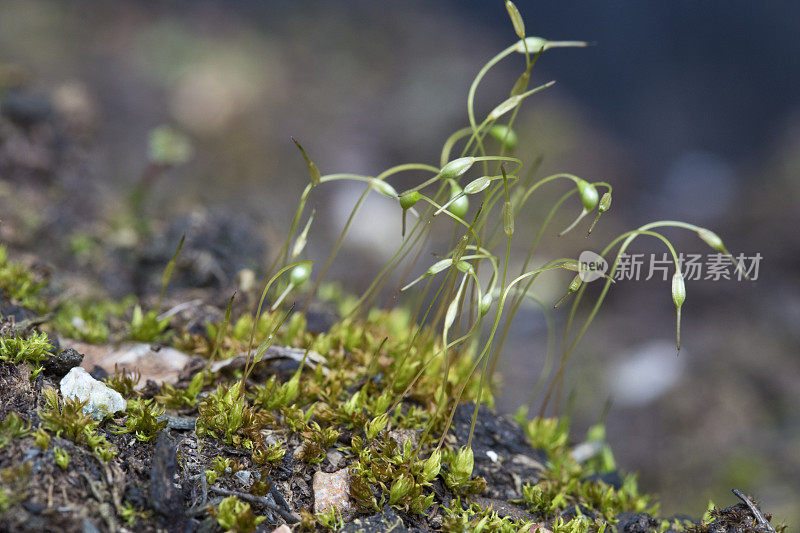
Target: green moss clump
pixel 13 485
pixel 236 516
pixel 31 349
pixel 147 327
pixel 88 321
pixel 66 418
pixel 175 398
pixel 566 482
pixel 142 420
pixel 226 415
pixel 461 516
pixel 20 284
pixel 13 427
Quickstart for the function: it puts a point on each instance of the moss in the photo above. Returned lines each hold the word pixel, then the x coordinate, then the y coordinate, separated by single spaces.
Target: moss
pixel 148 327
pixel 13 427
pixel 20 284
pixel 564 483
pixel 66 418
pixel 61 457
pixel 131 515
pixel 13 485
pixel 461 516
pixel 124 381
pixel 175 398
pixel 90 320
pixel 142 420
pixel 236 516
pixel 31 349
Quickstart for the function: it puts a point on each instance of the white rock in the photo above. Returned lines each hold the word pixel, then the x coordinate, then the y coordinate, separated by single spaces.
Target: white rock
pixel 103 400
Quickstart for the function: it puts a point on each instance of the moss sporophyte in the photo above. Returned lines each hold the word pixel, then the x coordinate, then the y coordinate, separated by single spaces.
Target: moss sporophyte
pixel 379 370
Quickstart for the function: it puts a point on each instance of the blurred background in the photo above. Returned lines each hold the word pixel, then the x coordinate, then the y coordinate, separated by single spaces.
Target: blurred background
pixel 690 109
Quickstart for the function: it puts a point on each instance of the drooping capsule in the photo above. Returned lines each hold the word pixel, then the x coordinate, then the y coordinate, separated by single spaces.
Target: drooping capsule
pixel 459 204
pixel 505 136
pixel 574 285
pixel 513 101
pixel 588 193
pixel 602 207
pixel 477 185
pixel 605 202
pixel 505 106
pixel 456 167
pixel 508 218
pixel 521 85
pixel 409 199
pixel 486 303
pixel 678 297
pixel 712 239
pixel 300 274
pixel 384 188
pixel 589 199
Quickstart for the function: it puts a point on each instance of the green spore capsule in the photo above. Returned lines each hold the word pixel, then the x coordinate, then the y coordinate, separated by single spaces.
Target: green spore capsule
pixel 508 219
pixel 589 196
pixel 505 106
pixel 605 202
pixel 384 188
pixel 516 19
pixel 602 207
pixel 521 85
pixel 712 239
pixel 409 199
pixel 456 167
pixel 300 274
pixel 678 297
pixel 459 206
pixel 505 135
pixel 574 285
pixel 486 303
pixel 477 185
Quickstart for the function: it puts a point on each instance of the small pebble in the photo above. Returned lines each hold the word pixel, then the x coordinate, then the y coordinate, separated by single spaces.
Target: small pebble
pixel 60 364
pixel 332 491
pixel 243 476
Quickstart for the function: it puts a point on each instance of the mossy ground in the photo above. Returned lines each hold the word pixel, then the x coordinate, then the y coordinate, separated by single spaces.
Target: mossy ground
pixel 247 461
